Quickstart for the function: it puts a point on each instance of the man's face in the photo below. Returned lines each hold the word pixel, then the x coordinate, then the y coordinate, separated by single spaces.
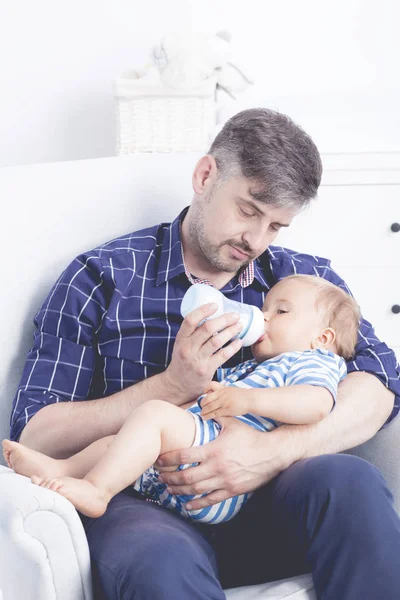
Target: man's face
pixel 229 228
pixel 291 320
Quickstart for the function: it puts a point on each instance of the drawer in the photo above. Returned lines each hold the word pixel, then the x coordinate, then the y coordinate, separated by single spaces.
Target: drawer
pixel 350 224
pixel 376 291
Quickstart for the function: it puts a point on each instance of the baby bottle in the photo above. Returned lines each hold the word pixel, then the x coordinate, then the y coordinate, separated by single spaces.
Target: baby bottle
pixel 251 317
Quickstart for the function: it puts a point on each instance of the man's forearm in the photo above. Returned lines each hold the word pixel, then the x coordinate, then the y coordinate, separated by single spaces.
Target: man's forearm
pixel 62 429
pixel 362 407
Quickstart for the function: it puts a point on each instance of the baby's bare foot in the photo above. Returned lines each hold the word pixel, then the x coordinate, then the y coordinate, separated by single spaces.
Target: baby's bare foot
pixel 26 461
pixel 86 498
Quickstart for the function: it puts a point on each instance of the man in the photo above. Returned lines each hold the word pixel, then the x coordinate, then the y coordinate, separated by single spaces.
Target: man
pixel 110 337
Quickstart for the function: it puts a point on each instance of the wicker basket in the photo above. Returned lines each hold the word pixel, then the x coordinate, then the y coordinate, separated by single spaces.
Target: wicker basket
pixel 158 118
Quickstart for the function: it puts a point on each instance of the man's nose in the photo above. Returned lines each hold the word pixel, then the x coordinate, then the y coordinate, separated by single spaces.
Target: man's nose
pixel 256 239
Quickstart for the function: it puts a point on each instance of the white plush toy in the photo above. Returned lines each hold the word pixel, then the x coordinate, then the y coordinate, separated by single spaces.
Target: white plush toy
pixel 187 60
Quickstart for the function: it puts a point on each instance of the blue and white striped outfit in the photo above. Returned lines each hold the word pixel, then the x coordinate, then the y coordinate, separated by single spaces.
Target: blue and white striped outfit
pixel 312 367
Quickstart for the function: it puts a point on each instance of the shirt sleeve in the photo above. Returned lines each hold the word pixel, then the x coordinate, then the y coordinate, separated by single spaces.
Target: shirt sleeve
pixel 318 368
pixel 371 355
pixel 61 363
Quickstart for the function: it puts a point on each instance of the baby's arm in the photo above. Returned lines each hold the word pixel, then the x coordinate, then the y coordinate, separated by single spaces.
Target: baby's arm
pixel 296 404
pixel 308 393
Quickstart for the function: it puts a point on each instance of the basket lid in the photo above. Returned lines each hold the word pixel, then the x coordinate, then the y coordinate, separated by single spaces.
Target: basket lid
pixel 129 84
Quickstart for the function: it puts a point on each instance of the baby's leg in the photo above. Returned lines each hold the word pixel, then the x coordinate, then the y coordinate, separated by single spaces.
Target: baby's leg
pixel 25 461
pixel 153 428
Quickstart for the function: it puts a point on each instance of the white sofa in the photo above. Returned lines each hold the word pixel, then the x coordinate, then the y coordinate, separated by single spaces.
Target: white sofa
pixel 53 212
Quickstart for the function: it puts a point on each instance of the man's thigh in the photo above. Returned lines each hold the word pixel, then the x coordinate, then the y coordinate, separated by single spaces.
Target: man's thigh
pixel 143 551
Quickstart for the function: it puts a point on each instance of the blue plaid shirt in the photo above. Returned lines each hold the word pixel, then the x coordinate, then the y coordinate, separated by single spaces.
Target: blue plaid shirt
pixel 112 317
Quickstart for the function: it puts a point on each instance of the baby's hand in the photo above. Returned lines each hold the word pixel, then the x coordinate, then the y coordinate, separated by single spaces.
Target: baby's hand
pixel 222 401
pixel 213 386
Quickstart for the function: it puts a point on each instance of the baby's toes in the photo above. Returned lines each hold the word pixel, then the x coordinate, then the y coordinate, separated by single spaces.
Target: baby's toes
pixel 6 454
pixel 37 480
pixel 50 483
pixel 54 484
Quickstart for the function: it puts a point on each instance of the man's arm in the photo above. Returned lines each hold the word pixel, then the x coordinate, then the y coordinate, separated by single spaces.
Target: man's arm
pixel 242 459
pixel 363 406
pixel 64 428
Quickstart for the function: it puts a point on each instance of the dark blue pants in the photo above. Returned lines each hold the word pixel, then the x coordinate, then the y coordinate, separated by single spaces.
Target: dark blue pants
pixel 332 515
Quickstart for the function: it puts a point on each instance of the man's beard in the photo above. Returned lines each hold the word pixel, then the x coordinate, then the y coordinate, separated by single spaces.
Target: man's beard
pixel 209 252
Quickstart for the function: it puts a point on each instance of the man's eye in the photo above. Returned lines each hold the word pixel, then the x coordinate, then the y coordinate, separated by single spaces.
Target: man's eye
pixel 281 312
pixel 274 228
pixel 246 214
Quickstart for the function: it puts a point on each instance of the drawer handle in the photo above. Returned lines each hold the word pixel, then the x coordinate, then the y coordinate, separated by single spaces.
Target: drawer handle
pixel 395 227
pixel 396 309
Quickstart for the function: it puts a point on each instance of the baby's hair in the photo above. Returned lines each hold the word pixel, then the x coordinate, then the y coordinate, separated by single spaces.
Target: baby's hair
pixel 340 308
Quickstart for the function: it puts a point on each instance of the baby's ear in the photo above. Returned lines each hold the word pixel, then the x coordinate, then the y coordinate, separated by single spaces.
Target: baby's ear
pixel 326 339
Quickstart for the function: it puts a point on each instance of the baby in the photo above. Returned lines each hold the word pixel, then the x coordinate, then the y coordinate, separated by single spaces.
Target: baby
pixel 311 326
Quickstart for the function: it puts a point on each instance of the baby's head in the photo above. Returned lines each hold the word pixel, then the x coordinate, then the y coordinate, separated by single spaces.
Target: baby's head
pixel 304 312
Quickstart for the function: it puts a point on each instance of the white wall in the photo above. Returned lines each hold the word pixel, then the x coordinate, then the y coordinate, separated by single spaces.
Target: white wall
pixel 333 66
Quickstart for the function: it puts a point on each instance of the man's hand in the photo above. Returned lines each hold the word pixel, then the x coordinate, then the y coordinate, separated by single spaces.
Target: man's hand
pixel 198 352
pixel 240 460
pixel 222 401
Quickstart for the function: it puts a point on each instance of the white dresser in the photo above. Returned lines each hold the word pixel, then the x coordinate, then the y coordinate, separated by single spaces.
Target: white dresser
pixel 356 223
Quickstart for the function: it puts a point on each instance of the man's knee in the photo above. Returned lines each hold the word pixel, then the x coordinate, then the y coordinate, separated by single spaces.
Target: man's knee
pixel 144 552
pixel 345 476
pixel 170 567
pixel 174 556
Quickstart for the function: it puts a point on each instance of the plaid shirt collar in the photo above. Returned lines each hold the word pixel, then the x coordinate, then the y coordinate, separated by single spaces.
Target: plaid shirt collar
pixel 172 261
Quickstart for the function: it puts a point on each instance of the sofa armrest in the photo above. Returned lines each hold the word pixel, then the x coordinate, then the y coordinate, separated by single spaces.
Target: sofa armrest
pixel 383 451
pixel 43 548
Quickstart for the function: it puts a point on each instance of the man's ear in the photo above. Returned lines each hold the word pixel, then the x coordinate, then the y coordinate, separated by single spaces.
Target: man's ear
pixel 204 174
pixel 326 339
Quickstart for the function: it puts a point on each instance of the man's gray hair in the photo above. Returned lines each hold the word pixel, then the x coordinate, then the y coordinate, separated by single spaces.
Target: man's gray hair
pixel 268 148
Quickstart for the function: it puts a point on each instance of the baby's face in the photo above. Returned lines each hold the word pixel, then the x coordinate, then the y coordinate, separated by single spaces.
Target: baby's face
pixel 291 320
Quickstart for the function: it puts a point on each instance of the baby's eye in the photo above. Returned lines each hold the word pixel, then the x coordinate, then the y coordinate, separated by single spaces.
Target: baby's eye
pixel 281 312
